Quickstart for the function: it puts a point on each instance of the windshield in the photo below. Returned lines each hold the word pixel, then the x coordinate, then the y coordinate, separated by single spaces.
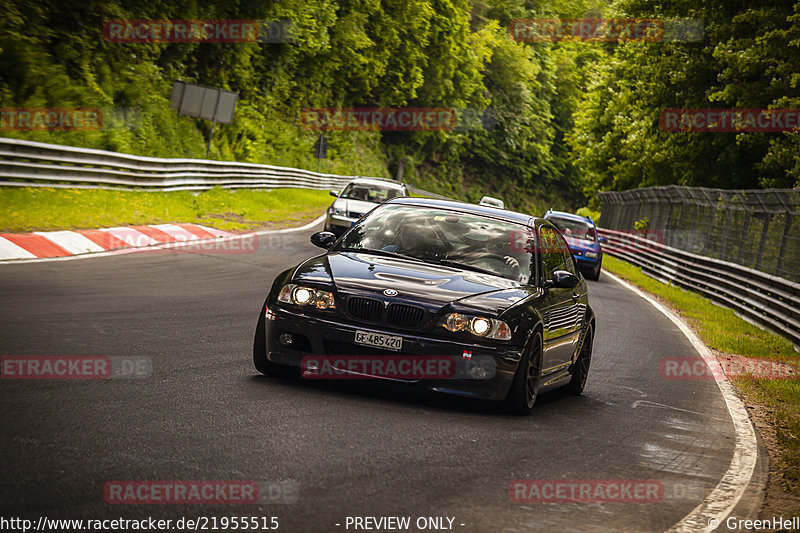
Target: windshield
pixel 574 228
pixel 369 193
pixel 446 237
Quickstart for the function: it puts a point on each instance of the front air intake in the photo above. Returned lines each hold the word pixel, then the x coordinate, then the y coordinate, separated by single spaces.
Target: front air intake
pixel 365 309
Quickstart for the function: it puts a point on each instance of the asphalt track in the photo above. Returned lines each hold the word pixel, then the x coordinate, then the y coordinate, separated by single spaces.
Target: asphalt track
pixel 351 449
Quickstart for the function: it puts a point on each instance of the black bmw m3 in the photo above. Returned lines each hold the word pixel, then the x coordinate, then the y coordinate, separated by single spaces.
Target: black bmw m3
pixel 454 297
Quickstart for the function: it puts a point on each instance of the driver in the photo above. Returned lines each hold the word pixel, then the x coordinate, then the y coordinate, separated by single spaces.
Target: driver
pixel 416 240
pixel 512 268
pixel 485 245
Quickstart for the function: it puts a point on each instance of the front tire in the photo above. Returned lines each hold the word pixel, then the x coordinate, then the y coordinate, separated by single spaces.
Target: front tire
pixel 260 345
pixel 525 387
pixel 594 275
pixel 580 369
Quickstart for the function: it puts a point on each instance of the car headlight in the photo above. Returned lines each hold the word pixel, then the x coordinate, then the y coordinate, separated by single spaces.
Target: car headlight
pixel 306 296
pixel 337 211
pixel 489 328
pixel 590 255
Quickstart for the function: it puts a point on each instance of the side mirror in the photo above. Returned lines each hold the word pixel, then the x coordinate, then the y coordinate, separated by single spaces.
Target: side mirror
pixel 323 239
pixel 562 280
pixel 602 240
pixel 335 194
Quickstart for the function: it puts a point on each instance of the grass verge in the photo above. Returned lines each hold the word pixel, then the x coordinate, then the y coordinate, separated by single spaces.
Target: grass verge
pixel 722 331
pixel 26 209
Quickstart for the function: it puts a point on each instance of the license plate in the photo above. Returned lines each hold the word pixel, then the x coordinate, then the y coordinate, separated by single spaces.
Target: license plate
pixel 379 340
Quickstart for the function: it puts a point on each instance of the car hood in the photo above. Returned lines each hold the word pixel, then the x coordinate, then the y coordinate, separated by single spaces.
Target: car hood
pixel 433 286
pixel 357 207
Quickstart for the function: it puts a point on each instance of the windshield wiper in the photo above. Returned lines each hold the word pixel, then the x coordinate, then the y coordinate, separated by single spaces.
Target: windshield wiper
pixel 456 264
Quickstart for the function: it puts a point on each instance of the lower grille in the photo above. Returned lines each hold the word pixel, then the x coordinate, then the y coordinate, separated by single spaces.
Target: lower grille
pixel 365 308
pixel 407 316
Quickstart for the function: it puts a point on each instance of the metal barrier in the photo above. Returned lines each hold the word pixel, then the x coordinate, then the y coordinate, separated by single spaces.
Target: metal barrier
pixel 34 164
pixel 767 300
pixel 753 228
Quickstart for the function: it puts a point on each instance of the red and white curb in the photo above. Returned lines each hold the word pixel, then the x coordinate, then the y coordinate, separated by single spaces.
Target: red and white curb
pixel 79 244
pixel 52 244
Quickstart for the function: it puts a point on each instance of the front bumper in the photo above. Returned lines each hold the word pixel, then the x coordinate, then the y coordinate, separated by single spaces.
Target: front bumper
pixel 338 224
pixel 587 262
pixel 315 336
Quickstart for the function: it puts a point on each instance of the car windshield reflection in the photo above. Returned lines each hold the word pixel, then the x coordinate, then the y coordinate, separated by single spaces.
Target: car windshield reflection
pixel 369 193
pixel 574 228
pixel 447 238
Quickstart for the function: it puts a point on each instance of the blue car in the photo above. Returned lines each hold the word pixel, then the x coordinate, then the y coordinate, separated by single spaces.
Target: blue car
pixel 581 235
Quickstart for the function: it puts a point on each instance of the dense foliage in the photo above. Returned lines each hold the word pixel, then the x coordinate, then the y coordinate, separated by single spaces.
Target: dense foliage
pixel 749 57
pixel 566 119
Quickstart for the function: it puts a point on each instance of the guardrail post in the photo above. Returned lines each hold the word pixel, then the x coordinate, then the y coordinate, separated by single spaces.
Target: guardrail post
pixel 710 229
pixel 743 239
pixel 725 233
pixel 786 228
pixel 641 206
pixel 670 232
pixel 762 243
pixel 726 230
pixel 662 211
pixel 696 221
pixel 622 211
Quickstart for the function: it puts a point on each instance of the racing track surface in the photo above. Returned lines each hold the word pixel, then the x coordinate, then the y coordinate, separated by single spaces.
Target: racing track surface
pixel 363 449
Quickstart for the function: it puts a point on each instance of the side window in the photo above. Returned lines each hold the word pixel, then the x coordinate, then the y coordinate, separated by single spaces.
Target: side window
pixel 569 261
pixel 552 256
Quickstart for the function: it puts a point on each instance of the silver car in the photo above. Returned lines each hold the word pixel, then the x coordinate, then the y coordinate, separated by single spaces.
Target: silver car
pixel 357 198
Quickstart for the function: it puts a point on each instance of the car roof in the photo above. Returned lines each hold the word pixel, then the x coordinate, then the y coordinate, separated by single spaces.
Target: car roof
pixel 493 212
pixel 570 216
pixel 378 181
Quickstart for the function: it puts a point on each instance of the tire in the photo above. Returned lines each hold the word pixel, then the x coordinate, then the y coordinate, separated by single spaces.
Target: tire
pixel 260 361
pixel 594 275
pixel 580 370
pixel 260 345
pixel 525 387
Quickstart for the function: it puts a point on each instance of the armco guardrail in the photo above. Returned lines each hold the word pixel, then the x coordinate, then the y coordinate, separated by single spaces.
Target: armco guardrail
pixel 34 164
pixel 767 300
pixel 26 163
